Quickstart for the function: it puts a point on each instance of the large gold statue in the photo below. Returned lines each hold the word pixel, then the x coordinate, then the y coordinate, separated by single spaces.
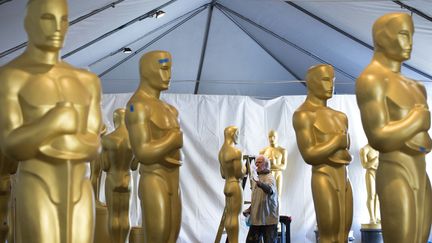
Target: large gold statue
pixel 396 120
pixel 50 123
pixel 7 168
pixel 117 163
pixel 232 170
pixel 369 161
pixel 323 141
pixel 277 156
pixel 156 140
pixel 96 169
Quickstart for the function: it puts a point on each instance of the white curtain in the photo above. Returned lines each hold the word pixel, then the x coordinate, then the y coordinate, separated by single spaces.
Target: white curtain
pixel 203 118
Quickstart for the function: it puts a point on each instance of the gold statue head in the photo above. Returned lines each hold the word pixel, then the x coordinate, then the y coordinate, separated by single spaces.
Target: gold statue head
pixel 393 35
pixel 155 70
pixel 46 24
pixel 272 136
pixel 231 134
pixel 119 117
pixel 319 80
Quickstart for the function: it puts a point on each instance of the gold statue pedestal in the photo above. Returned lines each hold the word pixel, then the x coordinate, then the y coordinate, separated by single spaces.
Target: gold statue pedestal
pixel 371 233
pixel 101 229
pixel 136 235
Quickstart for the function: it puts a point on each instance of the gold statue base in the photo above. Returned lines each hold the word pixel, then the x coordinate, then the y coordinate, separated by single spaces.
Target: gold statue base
pixel 136 235
pixel 101 229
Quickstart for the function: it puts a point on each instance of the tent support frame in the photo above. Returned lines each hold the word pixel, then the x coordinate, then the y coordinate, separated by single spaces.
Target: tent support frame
pixel 204 48
pixel 139 18
pixel 77 20
pixel 141 37
pixel 353 37
pixel 259 43
pixel 198 10
pixel 414 10
pixel 4 1
pixel 312 55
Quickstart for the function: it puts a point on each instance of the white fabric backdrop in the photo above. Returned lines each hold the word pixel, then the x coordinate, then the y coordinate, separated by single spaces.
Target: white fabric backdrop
pixel 203 118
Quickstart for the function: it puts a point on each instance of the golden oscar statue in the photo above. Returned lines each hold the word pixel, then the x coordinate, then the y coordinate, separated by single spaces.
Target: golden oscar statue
pixel 96 169
pixel 323 141
pixel 277 156
pixel 7 168
pixel 117 164
pixel 50 124
pixel 156 140
pixel 369 161
pixel 232 170
pixel 396 120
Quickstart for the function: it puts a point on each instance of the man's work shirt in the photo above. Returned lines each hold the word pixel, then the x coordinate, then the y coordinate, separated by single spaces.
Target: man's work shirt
pixel 264 203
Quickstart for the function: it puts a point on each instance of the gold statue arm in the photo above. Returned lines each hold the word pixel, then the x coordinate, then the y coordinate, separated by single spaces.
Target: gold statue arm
pixel 146 150
pixel 104 161
pixel 134 164
pixel 363 157
pixel 94 123
pixel 103 157
pixel 222 172
pixel 283 164
pixel 17 137
pixel 244 168
pixel 312 152
pixel 383 134
pixel 238 158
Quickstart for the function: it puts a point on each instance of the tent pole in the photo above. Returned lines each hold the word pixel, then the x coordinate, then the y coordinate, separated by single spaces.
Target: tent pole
pixel 77 20
pixel 260 44
pixel 143 36
pixel 198 10
pixel 204 48
pixel 4 1
pixel 285 41
pixel 353 37
pixel 139 18
pixel 414 10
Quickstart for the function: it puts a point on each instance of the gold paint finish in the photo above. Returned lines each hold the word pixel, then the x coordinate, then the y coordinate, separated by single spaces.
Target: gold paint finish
pixel 323 141
pixel 136 235
pixel 117 163
pixel 102 234
pixel 156 140
pixel 396 120
pixel 52 125
pixel 278 160
pixel 96 169
pixel 232 170
pixel 7 168
pixel 369 161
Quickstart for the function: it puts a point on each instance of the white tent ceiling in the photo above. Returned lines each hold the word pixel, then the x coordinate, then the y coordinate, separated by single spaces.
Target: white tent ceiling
pixel 259 48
